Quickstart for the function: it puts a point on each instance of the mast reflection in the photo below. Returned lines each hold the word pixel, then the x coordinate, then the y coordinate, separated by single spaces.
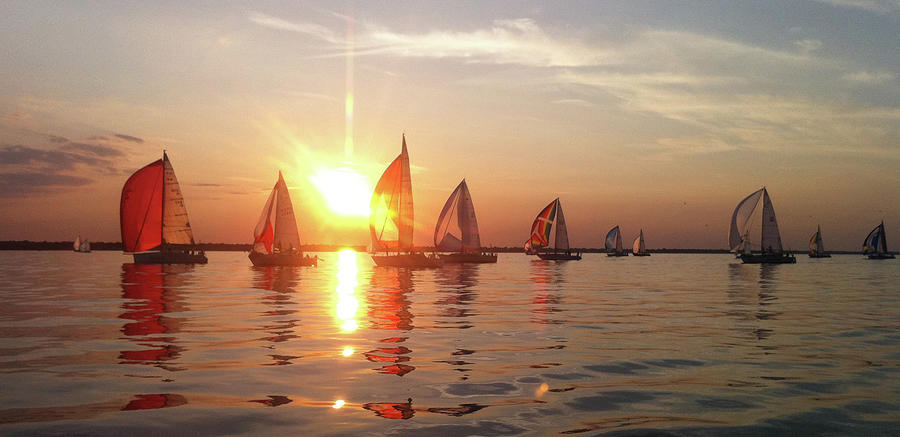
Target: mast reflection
pixel 150 293
pixel 388 309
pixel 547 278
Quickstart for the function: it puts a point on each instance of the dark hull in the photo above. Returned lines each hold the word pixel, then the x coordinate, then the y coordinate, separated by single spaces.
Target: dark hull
pixel 474 258
pixel 641 254
pixel 171 257
pixel 617 254
pixel 769 258
pixel 820 255
pixel 282 259
pixel 559 256
pixel 881 256
pixel 414 260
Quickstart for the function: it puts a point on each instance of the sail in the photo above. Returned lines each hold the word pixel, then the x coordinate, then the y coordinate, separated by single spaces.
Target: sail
pixel 771 239
pixel 612 237
pixel 814 243
pixel 458 232
pixel 391 220
pixel 638 246
pixel 86 246
pixel 562 233
pixel 140 209
pixel 176 227
pixel 820 247
pixel 76 245
pixel 264 233
pixel 740 220
pixel 543 223
pixel 287 236
pixel 875 241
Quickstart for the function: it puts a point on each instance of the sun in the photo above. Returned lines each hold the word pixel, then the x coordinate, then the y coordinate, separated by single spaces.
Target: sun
pixel 345 191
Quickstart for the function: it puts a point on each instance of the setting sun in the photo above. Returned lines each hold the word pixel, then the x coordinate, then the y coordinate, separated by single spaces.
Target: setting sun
pixel 345 191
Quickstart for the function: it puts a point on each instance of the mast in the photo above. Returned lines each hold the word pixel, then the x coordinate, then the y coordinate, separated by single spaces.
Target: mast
pixel 883 238
pixel 162 215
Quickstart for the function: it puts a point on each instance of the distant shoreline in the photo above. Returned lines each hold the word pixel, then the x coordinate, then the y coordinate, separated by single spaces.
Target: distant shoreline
pixel 233 247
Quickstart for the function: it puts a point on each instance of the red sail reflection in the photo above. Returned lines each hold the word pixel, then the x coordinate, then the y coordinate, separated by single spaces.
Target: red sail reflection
pixel 388 309
pixel 149 290
pixel 154 401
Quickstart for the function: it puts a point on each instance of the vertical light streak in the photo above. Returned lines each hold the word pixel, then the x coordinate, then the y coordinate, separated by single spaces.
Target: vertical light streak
pixel 348 102
pixel 347 303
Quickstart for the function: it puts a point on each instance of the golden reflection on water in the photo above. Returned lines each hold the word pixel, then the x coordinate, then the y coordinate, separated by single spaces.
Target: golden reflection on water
pixel 347 302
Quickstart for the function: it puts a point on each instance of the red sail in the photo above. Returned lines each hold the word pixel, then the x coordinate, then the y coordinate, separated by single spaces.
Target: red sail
pixel 140 210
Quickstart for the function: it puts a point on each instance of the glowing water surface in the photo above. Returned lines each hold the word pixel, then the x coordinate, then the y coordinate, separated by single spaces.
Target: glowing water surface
pixel 693 344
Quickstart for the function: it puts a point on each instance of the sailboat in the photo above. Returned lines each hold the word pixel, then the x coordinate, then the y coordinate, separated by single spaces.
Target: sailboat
pixel 614 243
pixel 391 219
pixel 154 220
pixel 539 242
pixel 770 249
pixel 81 246
pixel 875 245
pixel 459 214
pixel 638 248
pixel 276 241
pixel 816 249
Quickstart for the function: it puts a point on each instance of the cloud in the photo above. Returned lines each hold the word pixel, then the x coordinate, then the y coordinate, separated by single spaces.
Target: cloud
pixel 19 184
pixel 17 155
pixel 876 6
pixel 574 102
pixel 516 41
pixel 869 78
pixel 130 138
pixel 93 149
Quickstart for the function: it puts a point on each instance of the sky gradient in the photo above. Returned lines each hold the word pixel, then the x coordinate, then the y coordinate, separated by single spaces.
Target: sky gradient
pixel 652 115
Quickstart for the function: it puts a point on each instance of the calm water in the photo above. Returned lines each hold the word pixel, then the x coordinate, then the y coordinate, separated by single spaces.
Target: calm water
pixel 689 344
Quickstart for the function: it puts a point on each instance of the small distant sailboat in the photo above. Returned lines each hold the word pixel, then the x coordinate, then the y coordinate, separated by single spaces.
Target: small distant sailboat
pixel 816 249
pixel 276 240
pixel 81 246
pixel 460 211
pixel 154 221
pixel 392 217
pixel 539 243
pixel 875 245
pixel 771 251
pixel 614 243
pixel 638 249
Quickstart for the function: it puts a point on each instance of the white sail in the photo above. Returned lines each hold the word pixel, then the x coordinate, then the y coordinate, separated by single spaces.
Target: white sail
pixel 176 228
pixel 86 246
pixel 562 233
pixel 771 239
pixel 611 237
pixel 875 242
pixel 638 246
pixel 740 221
pixel 76 245
pixel 458 232
pixel 287 236
pixel 820 248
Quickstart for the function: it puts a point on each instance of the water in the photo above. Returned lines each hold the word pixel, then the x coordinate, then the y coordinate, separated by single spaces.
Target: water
pixel 689 344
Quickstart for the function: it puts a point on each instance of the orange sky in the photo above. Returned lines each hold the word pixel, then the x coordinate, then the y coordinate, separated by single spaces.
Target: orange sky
pixel 634 118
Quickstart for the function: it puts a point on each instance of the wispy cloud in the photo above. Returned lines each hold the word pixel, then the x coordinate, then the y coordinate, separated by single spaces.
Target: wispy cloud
pixel 312 29
pixel 574 102
pixel 869 78
pixel 876 6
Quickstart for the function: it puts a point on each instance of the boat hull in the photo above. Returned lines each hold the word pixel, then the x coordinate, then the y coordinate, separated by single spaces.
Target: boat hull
pixel 641 254
pixel 881 256
pixel 820 255
pixel 414 260
pixel 465 258
pixel 617 254
pixel 282 259
pixel 560 256
pixel 768 258
pixel 171 257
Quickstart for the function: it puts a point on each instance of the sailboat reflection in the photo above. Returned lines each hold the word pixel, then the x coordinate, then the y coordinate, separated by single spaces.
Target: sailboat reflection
pixel 457 287
pixel 388 306
pixel 405 410
pixel 280 320
pixel 547 279
pixel 150 293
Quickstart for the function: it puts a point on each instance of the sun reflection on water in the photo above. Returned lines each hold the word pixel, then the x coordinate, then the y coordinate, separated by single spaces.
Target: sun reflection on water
pixel 347 303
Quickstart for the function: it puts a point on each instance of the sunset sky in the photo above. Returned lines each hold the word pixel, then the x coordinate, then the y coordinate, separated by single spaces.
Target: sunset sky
pixel 647 114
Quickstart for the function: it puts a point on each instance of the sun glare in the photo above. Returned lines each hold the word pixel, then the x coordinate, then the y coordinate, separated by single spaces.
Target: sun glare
pixel 345 191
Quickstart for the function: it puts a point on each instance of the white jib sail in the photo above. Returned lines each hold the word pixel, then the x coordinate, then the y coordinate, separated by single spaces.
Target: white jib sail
pixel 611 238
pixel 457 227
pixel 176 227
pixel 771 239
pixel 562 233
pixel 287 236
